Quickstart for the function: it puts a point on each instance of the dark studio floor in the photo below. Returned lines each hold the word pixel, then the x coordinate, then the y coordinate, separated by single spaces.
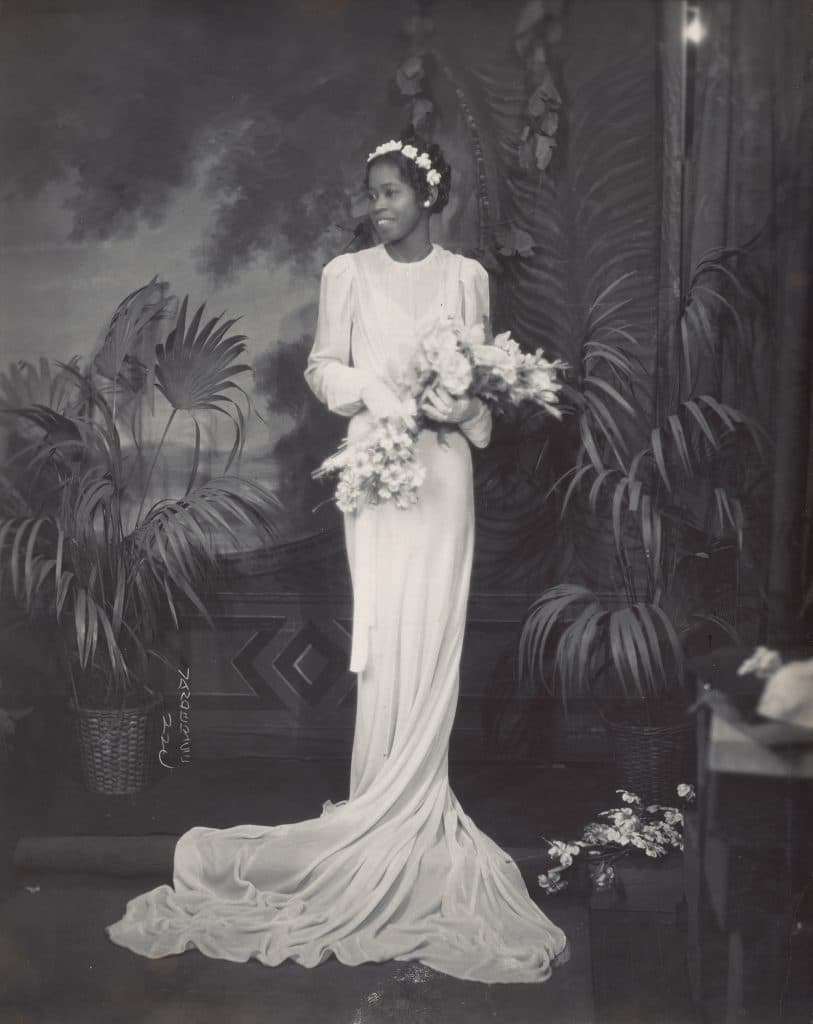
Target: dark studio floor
pixel 57 966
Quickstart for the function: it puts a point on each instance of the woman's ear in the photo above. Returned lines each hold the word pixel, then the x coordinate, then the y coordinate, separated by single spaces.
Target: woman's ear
pixel 432 197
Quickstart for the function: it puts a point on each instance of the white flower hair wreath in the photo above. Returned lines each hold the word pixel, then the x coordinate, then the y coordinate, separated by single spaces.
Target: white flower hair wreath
pixel 422 160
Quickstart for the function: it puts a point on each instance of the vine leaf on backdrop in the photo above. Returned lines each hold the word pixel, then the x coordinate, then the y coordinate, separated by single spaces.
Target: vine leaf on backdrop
pixel 422 110
pixel 587 291
pixel 532 15
pixel 514 241
pixel 537 39
pixel 409 76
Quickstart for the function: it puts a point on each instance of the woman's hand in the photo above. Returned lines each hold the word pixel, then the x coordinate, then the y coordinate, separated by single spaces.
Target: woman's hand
pixel 440 406
pixel 382 402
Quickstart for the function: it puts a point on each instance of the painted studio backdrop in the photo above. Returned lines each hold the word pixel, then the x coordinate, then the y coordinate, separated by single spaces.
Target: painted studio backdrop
pixel 216 150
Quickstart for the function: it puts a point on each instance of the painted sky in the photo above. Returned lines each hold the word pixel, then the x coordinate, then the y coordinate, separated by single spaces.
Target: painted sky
pixel 212 145
pixel 197 143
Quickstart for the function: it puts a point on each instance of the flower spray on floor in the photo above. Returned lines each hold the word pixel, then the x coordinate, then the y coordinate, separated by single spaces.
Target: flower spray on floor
pixel 653 829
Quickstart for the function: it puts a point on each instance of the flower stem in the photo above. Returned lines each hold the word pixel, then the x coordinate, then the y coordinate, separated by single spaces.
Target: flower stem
pixel 152 466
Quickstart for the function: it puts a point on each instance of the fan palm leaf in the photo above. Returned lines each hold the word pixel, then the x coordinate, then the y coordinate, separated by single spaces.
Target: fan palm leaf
pixel 196 365
pixel 134 314
pixel 195 370
pixel 69 543
pixel 28 384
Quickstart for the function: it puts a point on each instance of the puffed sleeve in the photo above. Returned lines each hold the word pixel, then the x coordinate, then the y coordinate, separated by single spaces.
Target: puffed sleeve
pixel 329 373
pixel 475 305
pixel 473 292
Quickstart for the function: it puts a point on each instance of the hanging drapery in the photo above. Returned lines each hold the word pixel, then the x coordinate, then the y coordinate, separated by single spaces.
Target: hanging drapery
pixel 749 177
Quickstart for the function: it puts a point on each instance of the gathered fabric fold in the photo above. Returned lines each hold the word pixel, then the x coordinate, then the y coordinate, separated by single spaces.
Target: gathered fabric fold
pixel 363 568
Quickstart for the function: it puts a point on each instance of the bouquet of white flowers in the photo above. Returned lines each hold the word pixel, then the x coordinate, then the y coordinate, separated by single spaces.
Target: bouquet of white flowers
pixel 382 465
pixel 459 360
pixel 652 829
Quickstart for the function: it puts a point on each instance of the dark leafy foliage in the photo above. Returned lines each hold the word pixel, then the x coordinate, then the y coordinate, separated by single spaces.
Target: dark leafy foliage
pixel 81 541
pixel 663 484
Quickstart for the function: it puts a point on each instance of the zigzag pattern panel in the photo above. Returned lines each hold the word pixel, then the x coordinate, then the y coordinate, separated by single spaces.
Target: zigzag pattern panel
pixel 273 674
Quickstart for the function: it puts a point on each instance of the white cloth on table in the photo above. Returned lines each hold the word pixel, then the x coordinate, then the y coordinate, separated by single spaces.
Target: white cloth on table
pixel 398 871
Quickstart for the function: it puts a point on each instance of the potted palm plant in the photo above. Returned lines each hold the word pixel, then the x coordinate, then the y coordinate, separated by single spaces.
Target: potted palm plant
pixel 86 544
pixel 665 487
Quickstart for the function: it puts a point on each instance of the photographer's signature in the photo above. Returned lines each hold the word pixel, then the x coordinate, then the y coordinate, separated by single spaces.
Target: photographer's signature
pixel 184 732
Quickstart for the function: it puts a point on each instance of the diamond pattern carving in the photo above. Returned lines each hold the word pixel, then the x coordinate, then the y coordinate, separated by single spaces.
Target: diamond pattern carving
pixel 247 661
pixel 294 664
pixel 311 664
pixel 273 675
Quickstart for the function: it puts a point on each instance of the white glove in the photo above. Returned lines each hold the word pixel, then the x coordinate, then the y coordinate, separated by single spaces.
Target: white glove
pixel 442 407
pixel 382 402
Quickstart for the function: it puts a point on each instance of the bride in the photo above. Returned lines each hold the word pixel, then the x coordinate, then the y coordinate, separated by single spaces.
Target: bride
pixel 398 871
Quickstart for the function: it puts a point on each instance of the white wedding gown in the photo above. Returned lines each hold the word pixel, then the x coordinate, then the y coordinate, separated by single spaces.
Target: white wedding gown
pixel 398 871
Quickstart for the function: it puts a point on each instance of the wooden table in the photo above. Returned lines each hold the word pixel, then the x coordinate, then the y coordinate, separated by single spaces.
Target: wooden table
pixel 748 857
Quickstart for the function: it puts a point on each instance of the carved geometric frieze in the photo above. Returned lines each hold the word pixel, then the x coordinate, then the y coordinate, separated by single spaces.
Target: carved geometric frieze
pixel 311 668
pixel 277 665
pixel 286 656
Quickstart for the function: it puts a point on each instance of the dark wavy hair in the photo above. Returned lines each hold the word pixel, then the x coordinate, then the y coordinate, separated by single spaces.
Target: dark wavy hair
pixel 416 176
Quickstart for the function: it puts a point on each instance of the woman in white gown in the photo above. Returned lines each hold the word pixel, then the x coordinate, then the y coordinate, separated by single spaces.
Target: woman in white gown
pixel 398 871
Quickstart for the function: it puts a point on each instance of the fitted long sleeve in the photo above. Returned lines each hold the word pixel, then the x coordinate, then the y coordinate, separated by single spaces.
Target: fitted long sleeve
pixel 329 373
pixel 475 303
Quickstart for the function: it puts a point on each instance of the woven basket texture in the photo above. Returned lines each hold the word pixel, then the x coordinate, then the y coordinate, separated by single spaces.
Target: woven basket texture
pixel 119 748
pixel 651 760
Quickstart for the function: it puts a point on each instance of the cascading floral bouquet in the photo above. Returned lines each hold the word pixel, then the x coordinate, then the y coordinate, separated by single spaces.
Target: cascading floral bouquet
pixel 654 829
pixel 381 466
pixel 460 360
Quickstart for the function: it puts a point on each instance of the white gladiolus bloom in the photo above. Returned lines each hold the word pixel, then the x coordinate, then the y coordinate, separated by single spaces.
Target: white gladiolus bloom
pixel 475 335
pixel 551 882
pixel 564 852
pixel 505 342
pixel 489 355
pixel 763 663
pixel 455 374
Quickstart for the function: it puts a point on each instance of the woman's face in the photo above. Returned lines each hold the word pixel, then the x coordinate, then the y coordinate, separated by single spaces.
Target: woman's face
pixel 395 209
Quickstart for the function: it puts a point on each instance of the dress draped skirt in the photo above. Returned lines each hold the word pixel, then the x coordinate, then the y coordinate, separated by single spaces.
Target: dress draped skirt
pixel 398 871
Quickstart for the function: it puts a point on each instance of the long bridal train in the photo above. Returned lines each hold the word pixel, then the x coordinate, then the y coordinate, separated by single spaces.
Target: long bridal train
pixel 398 871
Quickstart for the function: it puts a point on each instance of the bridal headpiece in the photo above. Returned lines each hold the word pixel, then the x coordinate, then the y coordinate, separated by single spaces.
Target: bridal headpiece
pixel 422 160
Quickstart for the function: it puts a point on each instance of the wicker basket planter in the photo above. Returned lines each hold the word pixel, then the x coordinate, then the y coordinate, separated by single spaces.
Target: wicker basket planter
pixel 652 759
pixel 119 748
